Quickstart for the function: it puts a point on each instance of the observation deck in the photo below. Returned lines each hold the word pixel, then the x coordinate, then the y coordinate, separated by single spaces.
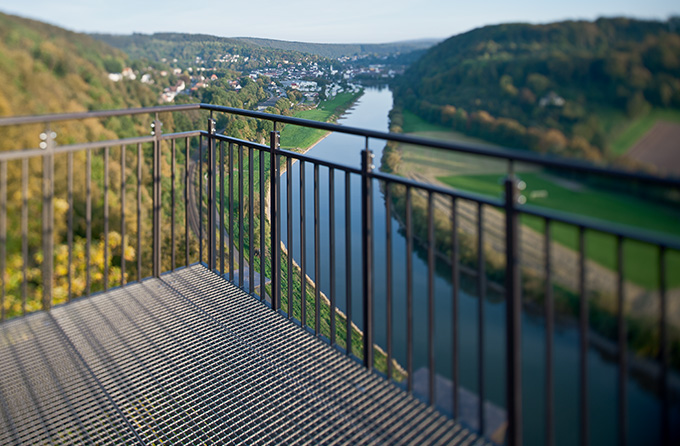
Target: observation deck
pixel 189 358
pixel 183 288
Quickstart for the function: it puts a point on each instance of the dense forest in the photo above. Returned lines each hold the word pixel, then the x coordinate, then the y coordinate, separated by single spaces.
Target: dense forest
pixel 560 87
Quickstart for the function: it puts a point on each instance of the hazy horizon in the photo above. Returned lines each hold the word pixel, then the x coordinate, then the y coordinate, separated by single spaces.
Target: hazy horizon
pixel 349 22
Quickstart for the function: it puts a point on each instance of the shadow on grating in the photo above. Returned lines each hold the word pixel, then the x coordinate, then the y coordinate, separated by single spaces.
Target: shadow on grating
pixel 191 359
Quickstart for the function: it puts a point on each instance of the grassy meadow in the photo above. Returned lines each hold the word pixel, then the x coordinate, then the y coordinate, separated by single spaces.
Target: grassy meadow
pixel 544 190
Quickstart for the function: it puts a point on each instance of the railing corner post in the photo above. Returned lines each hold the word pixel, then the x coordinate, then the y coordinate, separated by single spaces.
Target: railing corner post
pixel 367 252
pixel 156 132
pixel 513 314
pixel 274 219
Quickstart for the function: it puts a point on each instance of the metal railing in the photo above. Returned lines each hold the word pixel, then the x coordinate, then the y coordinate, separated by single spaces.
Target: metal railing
pixel 249 232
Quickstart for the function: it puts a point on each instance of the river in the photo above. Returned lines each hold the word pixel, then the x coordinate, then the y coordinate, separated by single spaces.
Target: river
pixel 371 112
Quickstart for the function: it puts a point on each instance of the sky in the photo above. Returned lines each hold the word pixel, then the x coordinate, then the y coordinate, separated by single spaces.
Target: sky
pixel 323 21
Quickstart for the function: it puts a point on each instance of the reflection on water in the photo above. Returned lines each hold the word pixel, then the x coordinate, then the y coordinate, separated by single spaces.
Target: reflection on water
pixel 371 113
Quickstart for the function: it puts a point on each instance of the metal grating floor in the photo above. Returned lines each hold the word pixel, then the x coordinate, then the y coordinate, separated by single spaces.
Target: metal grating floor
pixel 191 359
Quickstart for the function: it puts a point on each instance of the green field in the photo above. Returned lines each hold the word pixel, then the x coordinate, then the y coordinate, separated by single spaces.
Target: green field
pixel 296 137
pixel 414 123
pixel 640 260
pixel 637 128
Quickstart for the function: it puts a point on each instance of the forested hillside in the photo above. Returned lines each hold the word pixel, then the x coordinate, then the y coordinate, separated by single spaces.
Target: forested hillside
pixel 46 69
pixel 564 87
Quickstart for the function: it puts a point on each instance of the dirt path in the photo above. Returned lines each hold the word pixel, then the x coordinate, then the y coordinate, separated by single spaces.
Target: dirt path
pixel 660 148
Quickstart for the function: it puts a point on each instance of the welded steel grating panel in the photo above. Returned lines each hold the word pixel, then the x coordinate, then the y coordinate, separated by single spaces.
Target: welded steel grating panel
pixel 191 359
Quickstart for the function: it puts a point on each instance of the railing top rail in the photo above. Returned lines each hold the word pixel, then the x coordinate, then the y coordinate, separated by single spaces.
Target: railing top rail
pixel 42 119
pixel 513 155
pixel 510 155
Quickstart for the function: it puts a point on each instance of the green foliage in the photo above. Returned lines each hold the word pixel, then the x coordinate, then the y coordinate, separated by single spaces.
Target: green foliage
pixel 113 65
pixel 543 86
pixel 45 69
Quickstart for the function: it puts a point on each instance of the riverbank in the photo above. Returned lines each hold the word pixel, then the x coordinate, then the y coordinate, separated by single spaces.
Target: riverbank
pixel 641 305
pixel 302 139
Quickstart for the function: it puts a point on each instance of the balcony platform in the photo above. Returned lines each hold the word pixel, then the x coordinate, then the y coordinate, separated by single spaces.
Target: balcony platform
pixel 191 359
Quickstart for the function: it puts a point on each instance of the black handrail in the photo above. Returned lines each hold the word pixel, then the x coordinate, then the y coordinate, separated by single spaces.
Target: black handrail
pixel 512 155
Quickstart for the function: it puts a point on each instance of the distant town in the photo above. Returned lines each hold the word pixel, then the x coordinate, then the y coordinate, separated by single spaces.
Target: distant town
pixel 312 80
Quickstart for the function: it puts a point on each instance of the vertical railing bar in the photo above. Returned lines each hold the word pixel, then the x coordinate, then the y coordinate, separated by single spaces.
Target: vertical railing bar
pixel 212 194
pixel 122 214
pixel 623 347
pixel 157 195
pixel 430 300
pixel 231 242
pixel 241 198
pixel 69 235
pixel 455 286
pixel 106 218
pixel 275 219
pixel 583 337
pixel 409 292
pixel 317 262
pixel 663 351
pixel 481 299
pixel 3 238
pixel 388 274
pixel 331 235
pixel 513 310
pixel 367 251
pixel 48 220
pixel 348 262
pixel 88 219
pixel 199 202
pixel 251 221
pixel 303 247
pixel 24 233
pixel 289 233
pixel 549 329
pixel 186 201
pixel 50 257
pixel 262 227
pixel 222 222
pixel 172 206
pixel 277 224
pixel 139 212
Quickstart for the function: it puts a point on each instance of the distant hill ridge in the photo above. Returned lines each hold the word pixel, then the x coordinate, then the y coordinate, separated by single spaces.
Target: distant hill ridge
pixel 159 45
pixel 336 50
